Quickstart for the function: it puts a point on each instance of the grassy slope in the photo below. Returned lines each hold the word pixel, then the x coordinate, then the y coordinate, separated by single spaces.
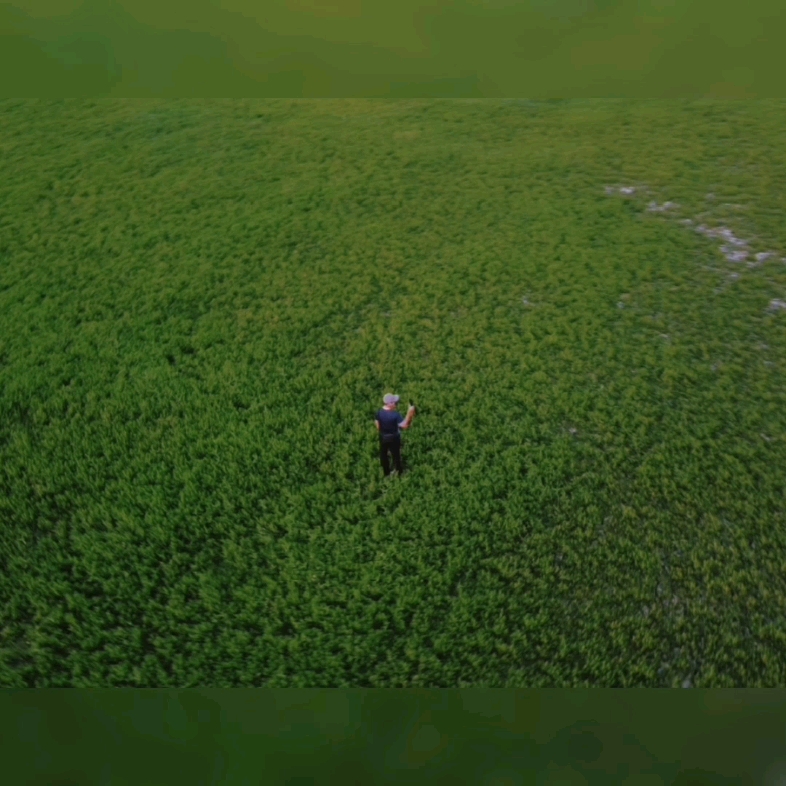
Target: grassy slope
pixel 201 304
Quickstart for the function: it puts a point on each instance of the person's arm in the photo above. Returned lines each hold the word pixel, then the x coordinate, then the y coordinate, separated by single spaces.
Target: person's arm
pixel 376 423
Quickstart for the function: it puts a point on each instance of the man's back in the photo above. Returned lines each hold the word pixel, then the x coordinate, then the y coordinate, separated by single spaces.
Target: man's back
pixel 389 420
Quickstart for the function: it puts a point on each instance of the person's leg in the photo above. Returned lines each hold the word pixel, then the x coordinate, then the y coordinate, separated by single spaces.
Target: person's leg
pixel 383 457
pixel 396 450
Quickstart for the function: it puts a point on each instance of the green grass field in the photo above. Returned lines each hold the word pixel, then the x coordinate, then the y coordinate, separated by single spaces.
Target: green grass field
pixel 203 302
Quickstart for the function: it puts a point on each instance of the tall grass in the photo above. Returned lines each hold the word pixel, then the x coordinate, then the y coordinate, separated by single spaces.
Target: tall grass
pixel 203 302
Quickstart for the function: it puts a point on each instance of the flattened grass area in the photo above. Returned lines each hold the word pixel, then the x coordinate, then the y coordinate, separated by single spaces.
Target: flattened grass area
pixel 203 302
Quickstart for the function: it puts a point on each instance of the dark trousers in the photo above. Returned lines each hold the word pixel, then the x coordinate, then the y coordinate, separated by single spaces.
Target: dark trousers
pixel 393 445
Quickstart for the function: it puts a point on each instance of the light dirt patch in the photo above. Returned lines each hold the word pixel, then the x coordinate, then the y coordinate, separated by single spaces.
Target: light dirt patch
pixel 734 249
pixel 776 305
pixel 654 207
pixel 625 190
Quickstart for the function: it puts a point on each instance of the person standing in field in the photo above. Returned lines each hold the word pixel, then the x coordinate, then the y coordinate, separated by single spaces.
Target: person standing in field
pixel 389 420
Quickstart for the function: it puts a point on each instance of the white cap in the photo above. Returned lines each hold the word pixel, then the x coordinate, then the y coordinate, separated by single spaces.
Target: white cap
pixel 391 398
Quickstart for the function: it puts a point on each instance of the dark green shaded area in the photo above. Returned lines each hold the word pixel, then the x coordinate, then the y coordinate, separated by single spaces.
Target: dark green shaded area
pixel 203 302
pixel 701 738
pixel 345 48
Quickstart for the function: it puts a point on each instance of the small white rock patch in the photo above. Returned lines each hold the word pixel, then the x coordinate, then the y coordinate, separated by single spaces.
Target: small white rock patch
pixel 626 190
pixel 653 207
pixel 734 248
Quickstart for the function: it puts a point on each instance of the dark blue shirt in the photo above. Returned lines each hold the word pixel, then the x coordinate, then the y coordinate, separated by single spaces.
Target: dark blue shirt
pixel 389 420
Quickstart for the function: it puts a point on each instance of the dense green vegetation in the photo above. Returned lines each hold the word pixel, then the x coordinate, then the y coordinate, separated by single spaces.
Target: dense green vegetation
pixel 203 302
